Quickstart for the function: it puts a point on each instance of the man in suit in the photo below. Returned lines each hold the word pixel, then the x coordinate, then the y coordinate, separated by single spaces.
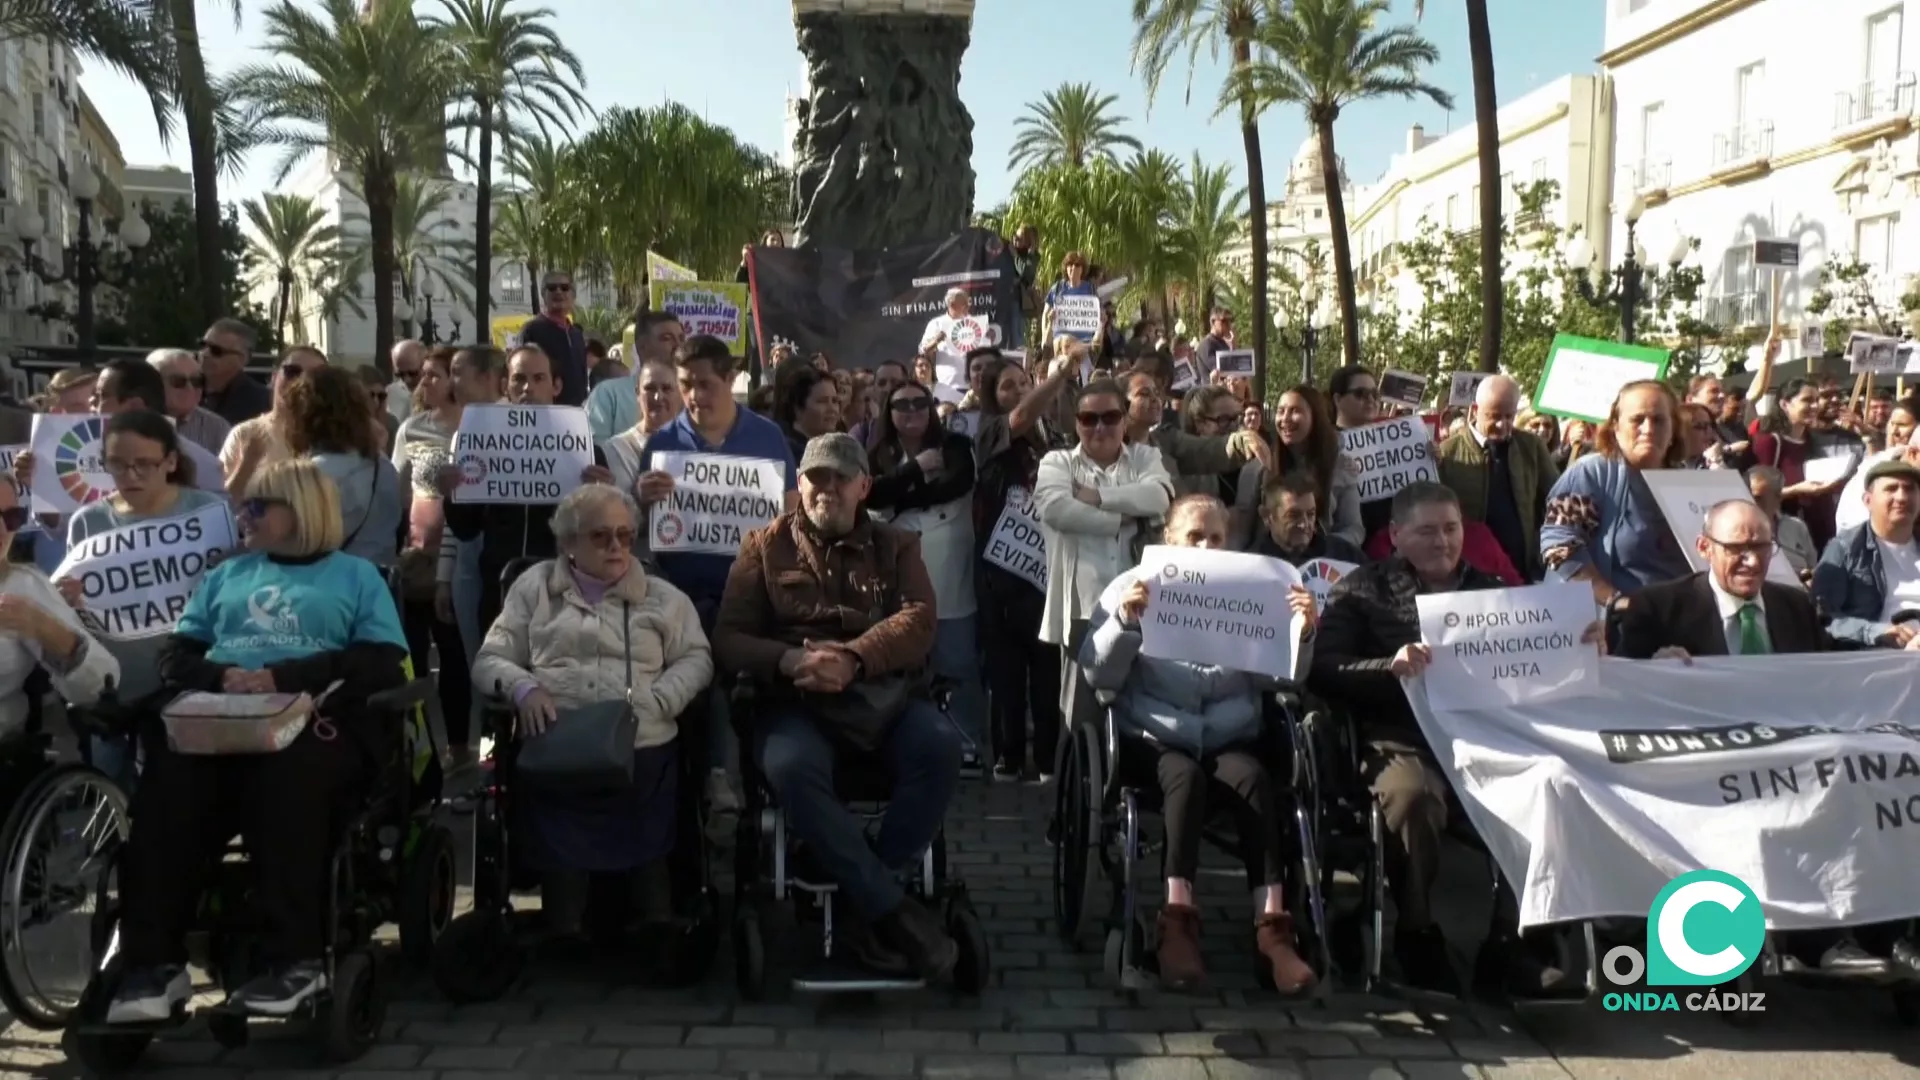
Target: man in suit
pixel 1501 474
pixel 555 334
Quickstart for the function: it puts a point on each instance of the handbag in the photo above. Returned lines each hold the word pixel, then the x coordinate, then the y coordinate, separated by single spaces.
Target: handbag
pixel 588 747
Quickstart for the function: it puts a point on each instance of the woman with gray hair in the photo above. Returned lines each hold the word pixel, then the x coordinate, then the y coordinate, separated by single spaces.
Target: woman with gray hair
pixel 580 630
pixel 186 388
pixel 1765 483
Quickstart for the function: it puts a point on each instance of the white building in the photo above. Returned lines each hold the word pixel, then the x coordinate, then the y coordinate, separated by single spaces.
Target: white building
pixel 1299 217
pixel 164 186
pixel 1790 120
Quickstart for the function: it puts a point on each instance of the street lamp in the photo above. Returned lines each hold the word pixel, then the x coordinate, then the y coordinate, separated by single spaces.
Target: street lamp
pixel 427 326
pixel 1306 337
pixel 1629 285
pixel 80 264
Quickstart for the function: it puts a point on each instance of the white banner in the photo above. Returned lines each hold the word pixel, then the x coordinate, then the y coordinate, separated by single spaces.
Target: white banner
pixel 1507 646
pixel 1390 455
pixel 1017 544
pixel 717 500
pixel 1321 575
pixel 1685 496
pixel 1220 607
pixel 1078 314
pixel 1795 774
pixel 136 579
pixel 520 453
pixel 69 463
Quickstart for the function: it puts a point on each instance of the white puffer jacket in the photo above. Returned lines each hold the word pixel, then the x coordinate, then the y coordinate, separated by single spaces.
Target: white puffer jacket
pixel 548 633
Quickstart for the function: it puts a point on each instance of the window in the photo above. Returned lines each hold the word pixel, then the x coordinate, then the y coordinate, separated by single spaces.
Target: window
pixel 39 114
pixel 1539 169
pixel 1736 271
pixel 1873 242
pixel 1883 53
pixel 1650 122
pixel 1453 212
pixel 1748 85
pixel 1473 207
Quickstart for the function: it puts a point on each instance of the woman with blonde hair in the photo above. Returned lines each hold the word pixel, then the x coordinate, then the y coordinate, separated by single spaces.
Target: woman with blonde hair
pixel 1603 525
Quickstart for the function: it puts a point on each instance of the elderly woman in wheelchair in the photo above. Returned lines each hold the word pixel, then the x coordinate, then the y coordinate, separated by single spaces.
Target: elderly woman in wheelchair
pixel 293 615
pixel 1200 727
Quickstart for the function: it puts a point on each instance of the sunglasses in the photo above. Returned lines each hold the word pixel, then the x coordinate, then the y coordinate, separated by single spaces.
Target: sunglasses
pixel 218 349
pixel 408 377
pixel 910 404
pixel 186 382
pixel 14 518
pixel 257 507
pixel 1110 418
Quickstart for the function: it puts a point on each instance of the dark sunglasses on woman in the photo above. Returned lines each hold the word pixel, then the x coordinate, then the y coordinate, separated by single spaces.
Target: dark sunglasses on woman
pixel 14 518
pixel 1110 418
pixel 911 404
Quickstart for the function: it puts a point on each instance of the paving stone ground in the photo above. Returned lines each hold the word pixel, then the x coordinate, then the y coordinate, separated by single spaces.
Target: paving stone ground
pixel 1051 1014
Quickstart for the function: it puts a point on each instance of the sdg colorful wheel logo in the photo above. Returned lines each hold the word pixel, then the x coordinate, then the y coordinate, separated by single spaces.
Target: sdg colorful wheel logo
pixel 76 460
pixel 1704 929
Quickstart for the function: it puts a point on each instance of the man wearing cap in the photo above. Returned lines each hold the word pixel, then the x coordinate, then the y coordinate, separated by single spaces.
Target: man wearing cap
pixel 1868 579
pixel 831 614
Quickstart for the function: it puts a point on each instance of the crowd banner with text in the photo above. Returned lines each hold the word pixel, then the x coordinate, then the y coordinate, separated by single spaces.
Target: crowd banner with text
pixel 1234 362
pixel 1509 646
pixel 1785 771
pixel 661 268
pixel 1077 314
pixel 69 463
pixel 1403 388
pixel 717 500
pixel 520 453
pixel 1465 385
pixel 135 580
pixel 1321 575
pixel 1584 375
pixel 1017 544
pixel 714 308
pixel 861 307
pixel 1684 497
pixel 1224 608
pixel 1389 455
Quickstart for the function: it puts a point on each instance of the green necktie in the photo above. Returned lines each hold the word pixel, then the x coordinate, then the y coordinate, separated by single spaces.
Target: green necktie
pixel 1753 638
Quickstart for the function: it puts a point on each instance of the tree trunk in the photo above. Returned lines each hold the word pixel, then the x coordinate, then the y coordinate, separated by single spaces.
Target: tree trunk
pixel 280 320
pixel 1257 227
pixel 196 101
pixel 378 183
pixel 483 219
pixel 1493 227
pixel 1342 244
pixel 533 288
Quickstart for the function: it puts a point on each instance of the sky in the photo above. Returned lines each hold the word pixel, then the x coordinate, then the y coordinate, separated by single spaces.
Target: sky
pixel 735 61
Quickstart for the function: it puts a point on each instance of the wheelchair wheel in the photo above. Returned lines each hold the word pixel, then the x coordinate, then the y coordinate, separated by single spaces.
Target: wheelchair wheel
pixel 975 967
pixel 476 958
pixel 750 957
pixel 1077 796
pixel 61 840
pixel 427 894
pixel 357 1010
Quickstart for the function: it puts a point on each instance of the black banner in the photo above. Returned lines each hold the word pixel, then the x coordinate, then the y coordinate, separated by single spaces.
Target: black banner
pixel 862 307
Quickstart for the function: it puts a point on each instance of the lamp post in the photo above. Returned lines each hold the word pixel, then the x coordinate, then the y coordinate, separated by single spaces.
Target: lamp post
pixel 1628 287
pixel 80 263
pixel 403 314
pixel 427 326
pixel 1306 337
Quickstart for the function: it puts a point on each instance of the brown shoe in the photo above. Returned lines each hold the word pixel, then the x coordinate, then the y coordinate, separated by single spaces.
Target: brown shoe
pixel 1273 935
pixel 1178 948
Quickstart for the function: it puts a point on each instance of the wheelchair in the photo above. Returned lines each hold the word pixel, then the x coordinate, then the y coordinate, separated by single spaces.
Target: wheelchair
pixel 1104 790
pixel 394 862
pixel 486 949
pixel 766 873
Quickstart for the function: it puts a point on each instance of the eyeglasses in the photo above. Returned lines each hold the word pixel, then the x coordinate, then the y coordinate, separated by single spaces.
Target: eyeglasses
pixel 1109 418
pixel 186 382
pixel 292 371
pixel 610 538
pixel 138 467
pixel 910 404
pixel 14 518
pixel 257 507
pixel 218 349
pixel 1757 548
pixel 1227 418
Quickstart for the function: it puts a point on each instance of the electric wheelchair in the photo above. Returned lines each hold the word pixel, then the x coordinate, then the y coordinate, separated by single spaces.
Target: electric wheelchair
pixel 770 868
pixel 485 950
pixel 393 862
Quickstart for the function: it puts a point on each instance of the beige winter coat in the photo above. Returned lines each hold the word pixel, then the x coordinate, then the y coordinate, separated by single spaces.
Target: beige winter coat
pixel 548 634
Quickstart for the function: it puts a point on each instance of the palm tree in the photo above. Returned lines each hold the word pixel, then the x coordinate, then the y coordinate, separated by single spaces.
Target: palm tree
pixel 291 244
pixel 508 64
pixel 118 33
pixel 1493 224
pixel 1206 223
pixel 193 93
pixel 1323 55
pixel 1166 28
pixel 1069 125
pixel 425 247
pixel 370 91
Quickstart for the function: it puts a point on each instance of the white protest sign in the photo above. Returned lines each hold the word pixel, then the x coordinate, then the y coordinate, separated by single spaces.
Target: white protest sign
pixel 717 500
pixel 135 580
pixel 1872 354
pixel 1465 385
pixel 1321 575
pixel 1389 455
pixel 1077 315
pixel 1813 339
pixel 520 453
pixel 1403 387
pixel 1183 377
pixel 69 463
pixel 1495 647
pixel 7 454
pixel 1112 288
pixel 1825 470
pixel 1017 544
pixel 1584 375
pixel 1234 362
pixel 1223 608
pixel 1684 497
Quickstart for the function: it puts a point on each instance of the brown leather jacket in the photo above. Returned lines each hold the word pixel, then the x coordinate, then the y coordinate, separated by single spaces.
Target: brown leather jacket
pixel 868 590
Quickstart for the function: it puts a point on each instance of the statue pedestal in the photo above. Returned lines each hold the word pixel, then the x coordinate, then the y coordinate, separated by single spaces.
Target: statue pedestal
pixel 883 151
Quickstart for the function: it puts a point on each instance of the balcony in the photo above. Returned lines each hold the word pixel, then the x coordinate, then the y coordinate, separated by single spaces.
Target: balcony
pixel 1734 310
pixel 1649 174
pixel 1743 148
pixel 1866 110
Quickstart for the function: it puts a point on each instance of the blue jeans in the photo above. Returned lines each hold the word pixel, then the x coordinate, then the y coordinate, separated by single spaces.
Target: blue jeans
pixel 922 754
pixel 956 657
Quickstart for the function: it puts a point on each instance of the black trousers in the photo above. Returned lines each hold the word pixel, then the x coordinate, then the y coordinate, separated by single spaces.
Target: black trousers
pixel 1190 789
pixel 286 806
pixel 425 630
pixel 1023 672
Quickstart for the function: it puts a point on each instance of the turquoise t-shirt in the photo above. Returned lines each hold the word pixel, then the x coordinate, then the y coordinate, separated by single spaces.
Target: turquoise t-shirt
pixel 256 611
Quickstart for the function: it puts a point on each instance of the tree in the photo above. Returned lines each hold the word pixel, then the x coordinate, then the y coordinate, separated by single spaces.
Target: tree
pixel 291 244
pixel 523 231
pixel 371 91
pixel 1486 125
pixel 1324 55
pixel 148 312
pixel 507 65
pixel 193 93
pixel 424 240
pixel 1164 29
pixel 1070 126
pixel 1206 223
pixel 118 33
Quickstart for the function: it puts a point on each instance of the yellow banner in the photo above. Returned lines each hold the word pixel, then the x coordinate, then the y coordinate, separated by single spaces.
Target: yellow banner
pixel 660 268
pixel 506 330
pixel 718 308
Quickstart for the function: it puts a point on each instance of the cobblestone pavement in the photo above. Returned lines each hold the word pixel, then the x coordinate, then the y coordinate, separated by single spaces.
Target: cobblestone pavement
pixel 1049 1014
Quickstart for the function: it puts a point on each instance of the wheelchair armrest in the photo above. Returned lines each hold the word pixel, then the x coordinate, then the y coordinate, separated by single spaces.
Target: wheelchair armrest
pixel 110 716
pixel 403 698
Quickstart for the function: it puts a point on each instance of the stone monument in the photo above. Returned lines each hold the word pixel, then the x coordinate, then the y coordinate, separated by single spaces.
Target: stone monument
pixel 883 152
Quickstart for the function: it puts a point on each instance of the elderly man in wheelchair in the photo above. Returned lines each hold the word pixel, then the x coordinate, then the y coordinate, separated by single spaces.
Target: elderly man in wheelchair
pixel 830 615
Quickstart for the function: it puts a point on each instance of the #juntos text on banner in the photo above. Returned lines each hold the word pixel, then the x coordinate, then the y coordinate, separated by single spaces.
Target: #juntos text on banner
pixel 520 453
pixel 1017 544
pixel 135 580
pixel 1508 646
pixel 1223 608
pixel 717 499
pixel 1390 455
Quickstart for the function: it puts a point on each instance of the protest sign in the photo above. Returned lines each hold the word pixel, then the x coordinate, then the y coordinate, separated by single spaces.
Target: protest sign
pixel 1776 254
pixel 7 454
pixel 1403 387
pixel 1509 646
pixel 505 330
pixel 520 453
pixel 1389 455
pixel 717 500
pixel 1183 376
pixel 1799 775
pixel 1234 362
pixel 69 463
pixel 1112 288
pixel 1684 497
pixel 1829 467
pixel 1321 575
pixel 1584 375
pixel 715 308
pixel 208 474
pixel 1465 385
pixel 1079 314
pixel 1872 354
pixel 661 268
pixel 1223 608
pixel 135 580
pixel 1017 544
pixel 1813 339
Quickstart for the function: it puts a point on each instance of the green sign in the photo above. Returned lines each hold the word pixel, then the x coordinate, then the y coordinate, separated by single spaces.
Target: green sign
pixel 1584 375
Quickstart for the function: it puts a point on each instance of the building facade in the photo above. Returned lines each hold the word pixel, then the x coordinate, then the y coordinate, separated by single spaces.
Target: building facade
pixel 161 186
pixel 1298 222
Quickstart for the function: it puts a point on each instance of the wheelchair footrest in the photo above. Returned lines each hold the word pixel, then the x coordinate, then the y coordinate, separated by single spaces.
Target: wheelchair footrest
pixel 97 1028
pixel 844 975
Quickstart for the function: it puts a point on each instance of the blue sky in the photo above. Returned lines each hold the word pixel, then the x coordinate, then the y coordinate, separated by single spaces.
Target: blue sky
pixel 735 61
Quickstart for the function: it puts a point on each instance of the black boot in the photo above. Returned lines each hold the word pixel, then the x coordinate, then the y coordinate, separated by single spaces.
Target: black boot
pixel 917 934
pixel 1425 963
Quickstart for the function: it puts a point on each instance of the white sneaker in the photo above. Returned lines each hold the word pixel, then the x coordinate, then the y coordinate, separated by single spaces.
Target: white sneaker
pixel 149 995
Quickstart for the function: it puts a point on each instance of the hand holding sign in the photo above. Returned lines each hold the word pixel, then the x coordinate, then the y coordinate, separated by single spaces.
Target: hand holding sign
pixel 1133 603
pixel 652 487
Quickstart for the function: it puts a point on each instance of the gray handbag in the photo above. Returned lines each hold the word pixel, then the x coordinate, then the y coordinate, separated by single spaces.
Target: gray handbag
pixel 588 748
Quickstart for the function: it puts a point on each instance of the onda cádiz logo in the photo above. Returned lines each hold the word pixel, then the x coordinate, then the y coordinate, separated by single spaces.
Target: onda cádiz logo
pixel 1704 930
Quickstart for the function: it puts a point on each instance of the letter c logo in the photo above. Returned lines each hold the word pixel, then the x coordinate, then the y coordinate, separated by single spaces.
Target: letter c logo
pixel 1732 920
pixel 1672 928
